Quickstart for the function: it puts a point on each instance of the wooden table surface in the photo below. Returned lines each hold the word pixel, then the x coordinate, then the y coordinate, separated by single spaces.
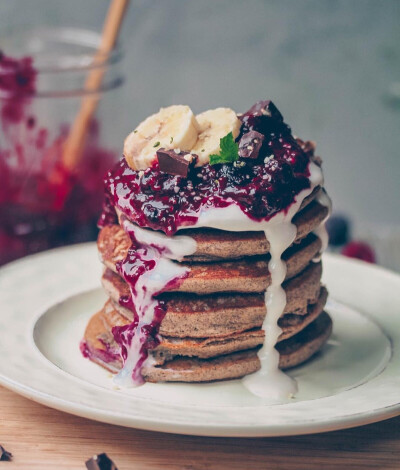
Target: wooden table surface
pixel 42 439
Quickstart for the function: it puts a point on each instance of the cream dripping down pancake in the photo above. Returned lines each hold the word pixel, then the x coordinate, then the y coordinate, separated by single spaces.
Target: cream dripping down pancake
pixel 211 238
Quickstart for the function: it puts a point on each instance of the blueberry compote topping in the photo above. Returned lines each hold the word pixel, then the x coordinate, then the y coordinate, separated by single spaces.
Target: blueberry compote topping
pixel 260 186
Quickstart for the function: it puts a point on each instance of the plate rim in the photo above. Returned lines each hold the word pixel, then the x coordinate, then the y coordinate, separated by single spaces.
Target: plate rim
pixel 218 430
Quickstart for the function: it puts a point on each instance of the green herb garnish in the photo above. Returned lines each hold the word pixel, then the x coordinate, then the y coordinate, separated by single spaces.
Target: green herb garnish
pixel 156 144
pixel 172 139
pixel 229 152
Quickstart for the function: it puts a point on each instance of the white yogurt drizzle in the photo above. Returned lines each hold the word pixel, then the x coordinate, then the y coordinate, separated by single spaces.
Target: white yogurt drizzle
pixel 163 250
pixel 321 232
pixel 269 382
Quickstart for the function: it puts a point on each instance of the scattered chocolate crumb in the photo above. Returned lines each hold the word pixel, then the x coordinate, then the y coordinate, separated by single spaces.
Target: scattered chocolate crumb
pixel 308 146
pixel 100 462
pixel 266 112
pixel 5 456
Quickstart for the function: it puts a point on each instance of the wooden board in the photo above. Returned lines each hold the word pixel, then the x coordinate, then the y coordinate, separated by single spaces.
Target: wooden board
pixel 42 439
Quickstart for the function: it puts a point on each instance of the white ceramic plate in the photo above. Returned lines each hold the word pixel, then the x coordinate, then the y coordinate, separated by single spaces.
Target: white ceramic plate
pixel 46 300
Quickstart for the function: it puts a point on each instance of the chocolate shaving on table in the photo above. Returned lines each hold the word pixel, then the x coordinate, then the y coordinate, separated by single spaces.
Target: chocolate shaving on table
pixel 5 456
pixel 250 144
pixel 175 161
pixel 100 462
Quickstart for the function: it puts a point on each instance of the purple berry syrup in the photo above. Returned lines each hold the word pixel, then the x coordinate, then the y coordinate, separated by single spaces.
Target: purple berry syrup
pixel 140 260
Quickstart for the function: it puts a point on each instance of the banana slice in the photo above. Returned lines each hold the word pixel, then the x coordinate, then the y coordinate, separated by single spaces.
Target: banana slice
pixel 213 125
pixel 170 128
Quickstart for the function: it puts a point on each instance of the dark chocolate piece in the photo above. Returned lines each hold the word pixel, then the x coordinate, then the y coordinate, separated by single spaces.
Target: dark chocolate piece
pixel 265 118
pixel 100 462
pixel 265 108
pixel 4 455
pixel 176 162
pixel 250 144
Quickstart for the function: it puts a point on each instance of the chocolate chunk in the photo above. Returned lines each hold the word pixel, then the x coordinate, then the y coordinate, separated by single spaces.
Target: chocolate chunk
pixel 250 144
pixel 265 108
pixel 100 462
pixel 4 455
pixel 265 118
pixel 176 162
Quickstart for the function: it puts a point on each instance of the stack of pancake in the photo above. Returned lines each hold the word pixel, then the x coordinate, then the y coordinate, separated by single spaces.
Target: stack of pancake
pixel 212 326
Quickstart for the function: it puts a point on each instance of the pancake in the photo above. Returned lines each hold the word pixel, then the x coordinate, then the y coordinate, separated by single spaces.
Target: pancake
pixel 101 324
pixel 293 352
pixel 98 344
pixel 247 274
pixel 243 275
pixel 211 347
pixel 220 314
pixel 215 245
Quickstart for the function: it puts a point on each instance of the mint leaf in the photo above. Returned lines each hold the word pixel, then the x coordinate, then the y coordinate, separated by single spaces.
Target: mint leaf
pixel 229 151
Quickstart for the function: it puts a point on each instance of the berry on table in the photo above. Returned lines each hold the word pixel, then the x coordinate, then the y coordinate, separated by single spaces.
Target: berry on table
pixel 359 250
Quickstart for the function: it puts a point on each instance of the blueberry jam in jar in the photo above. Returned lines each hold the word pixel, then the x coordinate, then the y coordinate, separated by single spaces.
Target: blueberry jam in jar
pixel 42 203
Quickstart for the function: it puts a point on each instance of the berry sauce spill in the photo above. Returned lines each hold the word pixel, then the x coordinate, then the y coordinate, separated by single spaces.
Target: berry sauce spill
pixel 42 205
pixel 149 271
pixel 260 186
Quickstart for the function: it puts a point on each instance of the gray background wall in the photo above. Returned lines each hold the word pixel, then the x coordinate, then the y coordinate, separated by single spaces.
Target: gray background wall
pixel 331 66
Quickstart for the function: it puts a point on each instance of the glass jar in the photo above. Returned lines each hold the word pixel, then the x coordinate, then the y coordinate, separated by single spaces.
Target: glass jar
pixel 43 81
